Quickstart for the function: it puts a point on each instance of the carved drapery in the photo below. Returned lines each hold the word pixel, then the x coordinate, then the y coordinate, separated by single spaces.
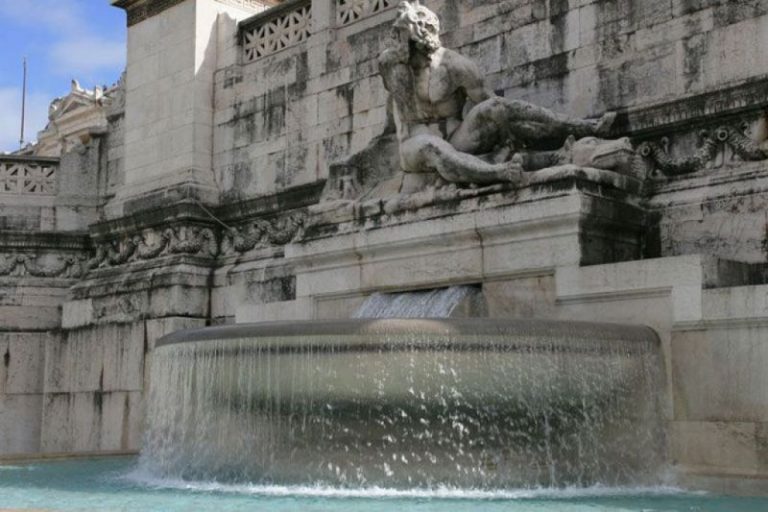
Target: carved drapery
pixel 279 29
pixel 26 176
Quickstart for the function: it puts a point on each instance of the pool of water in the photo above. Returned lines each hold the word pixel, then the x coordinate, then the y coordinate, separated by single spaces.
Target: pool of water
pixel 115 484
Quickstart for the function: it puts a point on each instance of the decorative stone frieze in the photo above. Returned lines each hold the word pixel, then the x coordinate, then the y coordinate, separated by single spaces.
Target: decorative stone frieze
pixel 350 11
pixel 28 175
pixel 260 233
pixel 154 243
pixel 36 265
pixel 726 144
pixel 276 29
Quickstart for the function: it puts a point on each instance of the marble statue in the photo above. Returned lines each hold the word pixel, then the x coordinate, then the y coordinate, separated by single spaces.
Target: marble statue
pixel 448 121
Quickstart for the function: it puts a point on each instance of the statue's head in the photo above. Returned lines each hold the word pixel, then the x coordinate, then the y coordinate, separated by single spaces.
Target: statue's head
pixel 422 25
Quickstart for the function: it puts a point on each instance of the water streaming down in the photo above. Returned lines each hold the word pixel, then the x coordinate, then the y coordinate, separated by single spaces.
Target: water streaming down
pixel 474 403
pixel 434 303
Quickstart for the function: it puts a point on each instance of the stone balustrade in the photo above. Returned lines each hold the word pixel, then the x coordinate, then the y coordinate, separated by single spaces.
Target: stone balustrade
pixel 350 11
pixel 276 29
pixel 26 175
pixel 290 23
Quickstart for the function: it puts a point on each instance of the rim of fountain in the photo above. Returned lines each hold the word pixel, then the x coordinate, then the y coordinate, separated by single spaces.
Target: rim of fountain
pixel 492 327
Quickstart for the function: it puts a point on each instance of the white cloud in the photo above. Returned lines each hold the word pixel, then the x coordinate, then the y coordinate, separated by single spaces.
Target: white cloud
pixel 74 48
pixel 10 116
pixel 62 16
pixel 82 57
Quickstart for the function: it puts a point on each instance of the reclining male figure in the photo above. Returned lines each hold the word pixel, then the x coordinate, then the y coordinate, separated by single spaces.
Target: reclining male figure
pixel 445 115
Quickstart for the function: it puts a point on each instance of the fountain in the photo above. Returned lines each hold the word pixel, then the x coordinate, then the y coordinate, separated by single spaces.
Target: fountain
pixel 404 403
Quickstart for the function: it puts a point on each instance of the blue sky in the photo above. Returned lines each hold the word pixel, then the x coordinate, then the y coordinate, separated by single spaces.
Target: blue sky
pixel 63 40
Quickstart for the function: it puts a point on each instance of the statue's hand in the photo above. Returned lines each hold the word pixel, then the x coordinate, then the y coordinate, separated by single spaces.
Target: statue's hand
pixel 398 50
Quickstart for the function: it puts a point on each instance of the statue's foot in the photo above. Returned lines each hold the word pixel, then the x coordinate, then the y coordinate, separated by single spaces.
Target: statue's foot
pixel 513 171
pixel 605 123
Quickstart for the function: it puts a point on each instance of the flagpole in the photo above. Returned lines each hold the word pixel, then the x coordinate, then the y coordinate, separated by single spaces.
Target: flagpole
pixel 23 104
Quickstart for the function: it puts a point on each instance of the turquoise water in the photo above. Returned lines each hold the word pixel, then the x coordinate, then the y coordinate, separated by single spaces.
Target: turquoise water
pixel 115 485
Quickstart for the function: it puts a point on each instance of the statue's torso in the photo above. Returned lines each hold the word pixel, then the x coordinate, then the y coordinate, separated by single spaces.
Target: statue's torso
pixel 437 94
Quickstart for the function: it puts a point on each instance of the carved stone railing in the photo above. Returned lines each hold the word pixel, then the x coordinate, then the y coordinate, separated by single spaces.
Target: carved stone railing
pixel 350 11
pixel 276 29
pixel 25 175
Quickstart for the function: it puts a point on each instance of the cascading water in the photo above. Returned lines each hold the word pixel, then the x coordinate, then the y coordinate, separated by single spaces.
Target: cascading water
pixel 435 303
pixel 407 403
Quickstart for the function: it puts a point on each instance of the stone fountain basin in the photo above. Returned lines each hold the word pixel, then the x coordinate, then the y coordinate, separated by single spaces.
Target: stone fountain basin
pixel 396 361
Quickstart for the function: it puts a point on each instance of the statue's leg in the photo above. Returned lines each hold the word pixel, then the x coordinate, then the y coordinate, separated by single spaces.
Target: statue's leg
pixel 429 152
pixel 496 118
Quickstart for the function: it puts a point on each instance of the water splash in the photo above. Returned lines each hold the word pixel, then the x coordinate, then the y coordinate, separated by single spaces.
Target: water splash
pixel 474 404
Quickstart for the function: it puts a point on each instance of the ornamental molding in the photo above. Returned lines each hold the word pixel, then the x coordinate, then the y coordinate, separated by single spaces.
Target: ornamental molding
pixel 263 233
pixel 734 101
pixel 140 10
pixel 276 29
pixel 725 145
pixel 153 243
pixel 42 265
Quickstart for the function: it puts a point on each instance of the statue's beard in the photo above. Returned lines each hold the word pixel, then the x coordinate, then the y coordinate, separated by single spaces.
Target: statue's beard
pixel 423 45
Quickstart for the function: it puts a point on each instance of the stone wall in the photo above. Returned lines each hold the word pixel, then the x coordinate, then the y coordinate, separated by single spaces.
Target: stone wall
pixel 282 118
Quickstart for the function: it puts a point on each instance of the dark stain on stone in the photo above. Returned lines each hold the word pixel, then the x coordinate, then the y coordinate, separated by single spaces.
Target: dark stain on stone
pixel 7 357
pixel 347 94
pixel 125 431
pixel 555 66
pixel 242 177
pixel 278 289
pixel 98 401
pixel 695 49
pixel 449 15
pixel 332 59
pixel 558 11
pixel 764 242
pixel 298 88
pixel 146 338
pixel 728 13
pixel 274 112
pixel 557 7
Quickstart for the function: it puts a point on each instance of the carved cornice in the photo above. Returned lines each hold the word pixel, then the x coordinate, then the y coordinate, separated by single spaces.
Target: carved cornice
pixel 11 241
pixel 258 5
pixel 700 109
pixel 300 196
pixel 140 10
